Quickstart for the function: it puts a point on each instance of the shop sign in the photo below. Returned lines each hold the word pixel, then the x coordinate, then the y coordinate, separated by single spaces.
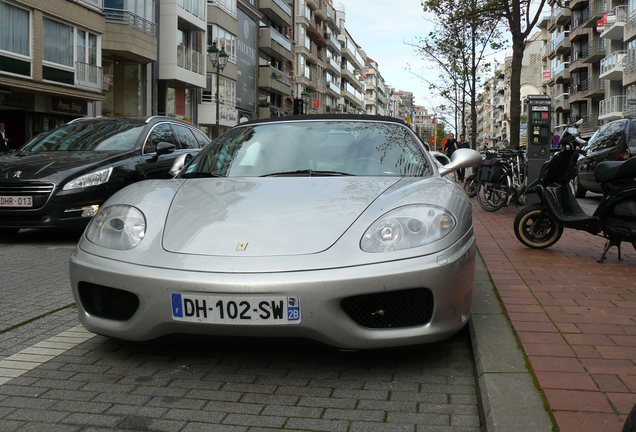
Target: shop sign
pixel 77 107
pixel 228 116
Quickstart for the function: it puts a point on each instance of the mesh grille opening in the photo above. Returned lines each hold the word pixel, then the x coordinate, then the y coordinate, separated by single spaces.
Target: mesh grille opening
pixel 109 303
pixel 395 309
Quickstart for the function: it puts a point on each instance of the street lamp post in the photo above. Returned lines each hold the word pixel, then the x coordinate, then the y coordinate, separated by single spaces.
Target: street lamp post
pixel 219 60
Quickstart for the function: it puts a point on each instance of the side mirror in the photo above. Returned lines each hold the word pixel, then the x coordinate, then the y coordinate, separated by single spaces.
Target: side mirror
pixel 440 158
pixel 165 148
pixel 180 162
pixel 461 158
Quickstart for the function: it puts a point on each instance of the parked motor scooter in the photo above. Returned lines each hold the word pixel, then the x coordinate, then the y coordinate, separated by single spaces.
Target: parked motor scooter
pixel 541 224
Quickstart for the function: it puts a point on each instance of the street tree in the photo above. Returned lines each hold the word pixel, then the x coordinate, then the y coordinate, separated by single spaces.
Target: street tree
pixel 459 45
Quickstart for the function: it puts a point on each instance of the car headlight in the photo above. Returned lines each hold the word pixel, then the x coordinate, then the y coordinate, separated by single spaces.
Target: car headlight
pixel 117 227
pixel 90 179
pixel 407 227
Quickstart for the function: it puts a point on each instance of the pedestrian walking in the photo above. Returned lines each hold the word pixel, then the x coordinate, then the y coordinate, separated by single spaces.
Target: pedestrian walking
pixel 4 139
pixel 461 173
pixel 451 145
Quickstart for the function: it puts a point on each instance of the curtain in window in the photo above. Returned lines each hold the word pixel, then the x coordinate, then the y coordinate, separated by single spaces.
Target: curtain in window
pixel 14 29
pixel 58 42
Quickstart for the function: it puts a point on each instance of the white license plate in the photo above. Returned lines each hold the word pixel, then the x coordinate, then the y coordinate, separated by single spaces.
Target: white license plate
pixel 16 201
pixel 245 310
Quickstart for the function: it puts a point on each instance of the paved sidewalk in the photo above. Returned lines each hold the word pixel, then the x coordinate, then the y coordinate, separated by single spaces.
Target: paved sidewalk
pixel 574 318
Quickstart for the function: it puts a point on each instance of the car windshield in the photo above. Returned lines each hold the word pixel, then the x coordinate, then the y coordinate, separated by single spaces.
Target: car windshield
pixel 313 148
pixel 88 136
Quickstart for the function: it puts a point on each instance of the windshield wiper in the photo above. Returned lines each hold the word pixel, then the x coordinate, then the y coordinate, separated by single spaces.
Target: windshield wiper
pixel 200 174
pixel 307 172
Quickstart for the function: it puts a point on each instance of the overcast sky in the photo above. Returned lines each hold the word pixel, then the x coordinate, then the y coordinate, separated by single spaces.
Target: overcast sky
pixel 384 29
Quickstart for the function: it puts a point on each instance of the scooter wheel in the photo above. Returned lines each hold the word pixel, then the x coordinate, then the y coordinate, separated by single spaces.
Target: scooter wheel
pixel 537 228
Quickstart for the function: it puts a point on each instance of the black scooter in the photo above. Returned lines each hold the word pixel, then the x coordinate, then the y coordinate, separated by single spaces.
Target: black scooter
pixel 540 225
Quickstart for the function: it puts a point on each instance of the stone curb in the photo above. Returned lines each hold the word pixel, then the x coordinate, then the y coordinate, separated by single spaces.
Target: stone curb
pixel 509 399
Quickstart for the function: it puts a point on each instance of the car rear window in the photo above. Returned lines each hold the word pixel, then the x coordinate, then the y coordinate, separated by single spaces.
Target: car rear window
pixel 608 136
pixel 89 136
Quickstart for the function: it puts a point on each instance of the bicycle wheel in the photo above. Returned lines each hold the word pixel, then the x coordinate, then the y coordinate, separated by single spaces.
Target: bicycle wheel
pixel 491 196
pixel 470 186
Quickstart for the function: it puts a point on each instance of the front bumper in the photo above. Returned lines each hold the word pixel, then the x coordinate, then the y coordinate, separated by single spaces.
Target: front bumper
pixel 449 275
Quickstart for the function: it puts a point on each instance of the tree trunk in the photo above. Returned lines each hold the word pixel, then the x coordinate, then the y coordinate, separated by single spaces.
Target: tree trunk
pixel 518 46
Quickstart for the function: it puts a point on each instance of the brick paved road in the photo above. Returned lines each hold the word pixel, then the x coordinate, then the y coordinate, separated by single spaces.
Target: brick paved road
pixel 195 384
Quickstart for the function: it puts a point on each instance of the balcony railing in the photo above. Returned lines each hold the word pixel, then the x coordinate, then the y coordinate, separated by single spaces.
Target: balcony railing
pixel 280 39
pixel 284 6
pixel 616 15
pixel 228 6
pixel 120 16
pixel 560 68
pixel 559 39
pixel 189 59
pixel 613 61
pixel 89 76
pixel 612 105
pixel 596 47
pixel 93 4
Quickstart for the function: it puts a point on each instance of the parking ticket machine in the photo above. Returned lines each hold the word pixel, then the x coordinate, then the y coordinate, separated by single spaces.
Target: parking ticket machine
pixel 539 136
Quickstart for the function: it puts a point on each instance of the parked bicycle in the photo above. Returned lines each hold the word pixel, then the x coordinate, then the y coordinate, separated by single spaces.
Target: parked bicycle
pixel 501 180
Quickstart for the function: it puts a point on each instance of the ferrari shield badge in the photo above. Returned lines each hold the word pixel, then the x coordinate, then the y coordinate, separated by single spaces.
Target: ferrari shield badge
pixel 241 246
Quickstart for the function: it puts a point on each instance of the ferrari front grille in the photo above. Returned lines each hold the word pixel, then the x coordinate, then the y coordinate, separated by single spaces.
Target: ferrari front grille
pixel 106 302
pixel 393 309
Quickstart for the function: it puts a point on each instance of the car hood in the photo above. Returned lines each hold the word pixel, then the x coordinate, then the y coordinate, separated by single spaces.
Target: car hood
pixel 266 217
pixel 51 166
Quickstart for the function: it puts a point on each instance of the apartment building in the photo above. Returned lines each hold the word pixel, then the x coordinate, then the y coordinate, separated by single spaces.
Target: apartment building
pixel 50 63
pixel 376 97
pixel 424 123
pixel 129 49
pixel 275 61
pixel 590 62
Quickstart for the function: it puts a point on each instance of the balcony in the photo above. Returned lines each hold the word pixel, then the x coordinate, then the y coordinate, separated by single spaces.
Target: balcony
pixel 593 51
pixel 561 72
pixel 578 91
pixel 589 125
pixel 630 27
pixel 615 25
pixel 612 66
pixel 595 11
pixel 274 44
pixel 278 11
pixel 629 68
pixel 96 5
pixel 120 16
pixel 189 59
pixel 560 43
pixel 561 15
pixel 274 80
pixel 89 77
pixel 612 108
pixel 595 87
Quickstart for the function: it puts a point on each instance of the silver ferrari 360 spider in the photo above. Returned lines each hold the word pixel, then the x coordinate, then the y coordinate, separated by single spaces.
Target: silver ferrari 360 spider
pixel 337 228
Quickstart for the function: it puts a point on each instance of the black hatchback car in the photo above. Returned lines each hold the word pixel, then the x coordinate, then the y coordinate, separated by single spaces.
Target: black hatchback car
pixel 59 179
pixel 614 141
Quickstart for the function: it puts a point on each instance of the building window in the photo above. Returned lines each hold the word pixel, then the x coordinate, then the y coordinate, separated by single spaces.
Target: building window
pixel 189 48
pixel 15 44
pixel 71 56
pixel 223 39
pixel 227 90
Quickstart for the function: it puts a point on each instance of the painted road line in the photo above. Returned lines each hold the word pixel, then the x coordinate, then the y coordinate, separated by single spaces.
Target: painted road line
pixel 29 358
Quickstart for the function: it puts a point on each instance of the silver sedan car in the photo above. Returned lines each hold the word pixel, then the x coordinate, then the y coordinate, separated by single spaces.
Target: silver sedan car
pixel 341 229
